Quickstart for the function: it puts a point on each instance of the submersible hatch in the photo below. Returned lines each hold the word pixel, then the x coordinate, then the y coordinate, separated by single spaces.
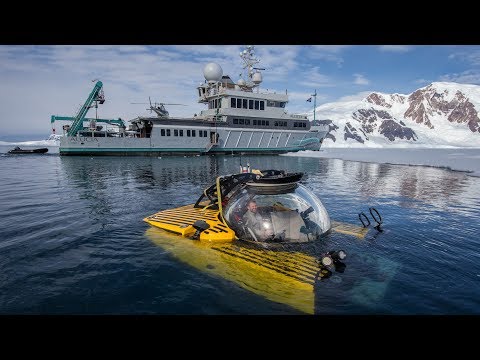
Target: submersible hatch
pixel 262 206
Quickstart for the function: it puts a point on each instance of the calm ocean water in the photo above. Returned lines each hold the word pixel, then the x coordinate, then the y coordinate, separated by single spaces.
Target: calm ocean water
pixel 73 240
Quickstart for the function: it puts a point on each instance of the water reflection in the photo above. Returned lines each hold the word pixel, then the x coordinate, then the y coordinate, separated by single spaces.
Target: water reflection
pixel 326 177
pixel 437 187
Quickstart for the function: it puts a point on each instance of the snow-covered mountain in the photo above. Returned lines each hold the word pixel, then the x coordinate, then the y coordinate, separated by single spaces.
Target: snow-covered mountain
pixel 442 114
pixel 52 140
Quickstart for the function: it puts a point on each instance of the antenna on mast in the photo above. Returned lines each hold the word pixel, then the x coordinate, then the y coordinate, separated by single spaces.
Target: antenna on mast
pixel 314 95
pixel 254 75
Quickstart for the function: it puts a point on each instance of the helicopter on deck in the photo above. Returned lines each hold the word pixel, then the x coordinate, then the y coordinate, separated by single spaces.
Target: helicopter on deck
pixel 158 107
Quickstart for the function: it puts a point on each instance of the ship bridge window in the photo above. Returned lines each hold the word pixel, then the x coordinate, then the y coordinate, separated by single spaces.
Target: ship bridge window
pixel 247 121
pixel 254 122
pixel 250 104
pixel 175 132
pixel 193 133
pixel 188 133
pixel 280 104
pixel 257 104
pixel 235 121
pixel 168 132
pixel 215 104
pixel 244 103
pixel 239 103
pixel 162 132
pixel 181 132
pixel 233 102
pixel 241 121
pixel 262 105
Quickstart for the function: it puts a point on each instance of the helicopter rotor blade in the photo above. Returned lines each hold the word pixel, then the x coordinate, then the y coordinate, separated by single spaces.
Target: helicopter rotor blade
pixel 172 104
pixel 155 104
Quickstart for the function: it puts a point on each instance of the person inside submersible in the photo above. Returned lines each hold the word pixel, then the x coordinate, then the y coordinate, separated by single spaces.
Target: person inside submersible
pixel 253 220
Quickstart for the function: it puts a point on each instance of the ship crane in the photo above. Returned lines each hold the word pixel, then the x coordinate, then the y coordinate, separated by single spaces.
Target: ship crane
pixel 118 122
pixel 96 96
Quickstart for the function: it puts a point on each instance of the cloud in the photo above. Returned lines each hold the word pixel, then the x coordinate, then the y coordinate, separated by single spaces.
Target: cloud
pixel 56 80
pixel 312 78
pixel 471 57
pixel 355 97
pixel 330 48
pixel 328 53
pixel 279 61
pixel 298 102
pixel 396 48
pixel 40 81
pixel 303 96
pixel 360 80
pixel 421 81
pixel 466 77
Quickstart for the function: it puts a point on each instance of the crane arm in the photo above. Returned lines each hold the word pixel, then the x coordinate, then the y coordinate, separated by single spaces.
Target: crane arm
pixel 118 121
pixel 80 117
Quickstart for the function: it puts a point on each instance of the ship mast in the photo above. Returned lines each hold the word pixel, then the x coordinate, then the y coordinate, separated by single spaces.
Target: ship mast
pixel 314 95
pixel 253 73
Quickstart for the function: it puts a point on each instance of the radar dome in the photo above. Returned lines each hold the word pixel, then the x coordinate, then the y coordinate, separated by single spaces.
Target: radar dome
pixel 257 78
pixel 212 72
pixel 241 82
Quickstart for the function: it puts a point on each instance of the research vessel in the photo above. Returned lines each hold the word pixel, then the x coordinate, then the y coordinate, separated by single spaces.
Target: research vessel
pixel 239 119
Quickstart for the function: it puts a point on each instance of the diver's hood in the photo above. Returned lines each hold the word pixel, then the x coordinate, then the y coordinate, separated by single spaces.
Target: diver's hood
pixel 289 212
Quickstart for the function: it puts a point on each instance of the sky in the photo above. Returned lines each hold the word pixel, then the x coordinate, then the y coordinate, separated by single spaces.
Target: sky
pixel 37 81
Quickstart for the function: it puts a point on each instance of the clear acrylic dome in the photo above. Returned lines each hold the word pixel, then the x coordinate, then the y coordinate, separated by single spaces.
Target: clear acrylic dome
pixel 277 214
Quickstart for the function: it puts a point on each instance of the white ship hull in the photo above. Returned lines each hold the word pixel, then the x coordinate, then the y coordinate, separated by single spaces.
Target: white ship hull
pixel 228 141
